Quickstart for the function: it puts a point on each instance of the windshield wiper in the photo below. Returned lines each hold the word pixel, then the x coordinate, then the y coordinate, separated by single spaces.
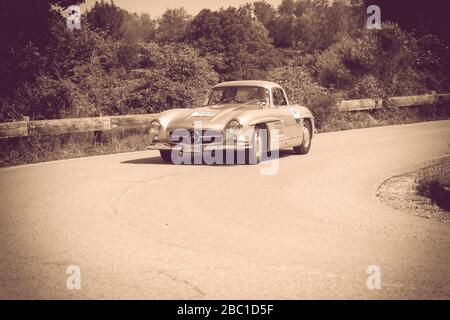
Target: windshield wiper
pixel 254 100
pixel 228 99
pixel 219 102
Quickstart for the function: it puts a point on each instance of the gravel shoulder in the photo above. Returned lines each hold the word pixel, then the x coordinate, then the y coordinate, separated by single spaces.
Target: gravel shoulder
pixel 400 192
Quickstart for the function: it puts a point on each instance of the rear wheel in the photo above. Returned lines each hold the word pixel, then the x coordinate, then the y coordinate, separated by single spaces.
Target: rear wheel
pixel 166 155
pixel 306 143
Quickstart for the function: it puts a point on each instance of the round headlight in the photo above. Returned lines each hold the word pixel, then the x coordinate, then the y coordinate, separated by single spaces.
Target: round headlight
pixel 234 126
pixel 155 127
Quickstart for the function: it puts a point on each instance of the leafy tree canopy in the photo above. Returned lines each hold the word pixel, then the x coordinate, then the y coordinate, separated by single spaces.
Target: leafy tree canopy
pixel 240 45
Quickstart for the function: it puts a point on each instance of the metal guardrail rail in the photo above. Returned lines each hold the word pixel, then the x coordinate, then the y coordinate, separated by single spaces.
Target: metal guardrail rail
pixel 59 126
pixel 393 102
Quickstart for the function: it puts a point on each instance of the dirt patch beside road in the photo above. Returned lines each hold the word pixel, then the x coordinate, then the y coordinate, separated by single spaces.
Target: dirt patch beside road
pixel 401 193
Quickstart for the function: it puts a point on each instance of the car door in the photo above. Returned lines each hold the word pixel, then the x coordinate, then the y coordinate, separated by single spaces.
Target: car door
pixel 290 133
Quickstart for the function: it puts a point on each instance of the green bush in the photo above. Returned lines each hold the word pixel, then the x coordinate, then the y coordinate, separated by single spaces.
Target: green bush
pixel 342 64
pixel 170 75
pixel 173 75
pixel 91 80
pixel 434 62
pixel 366 87
pixel 378 63
pixel 432 181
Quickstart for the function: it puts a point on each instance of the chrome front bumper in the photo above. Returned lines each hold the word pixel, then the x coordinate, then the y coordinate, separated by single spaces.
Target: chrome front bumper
pixel 199 147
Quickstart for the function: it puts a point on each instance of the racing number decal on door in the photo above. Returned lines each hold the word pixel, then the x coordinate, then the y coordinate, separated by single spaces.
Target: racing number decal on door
pixel 296 114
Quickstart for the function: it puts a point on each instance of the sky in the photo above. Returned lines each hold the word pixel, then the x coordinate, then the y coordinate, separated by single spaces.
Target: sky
pixel 157 7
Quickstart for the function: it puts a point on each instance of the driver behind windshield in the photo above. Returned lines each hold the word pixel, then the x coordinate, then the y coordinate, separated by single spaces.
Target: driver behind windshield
pixel 229 94
pixel 243 94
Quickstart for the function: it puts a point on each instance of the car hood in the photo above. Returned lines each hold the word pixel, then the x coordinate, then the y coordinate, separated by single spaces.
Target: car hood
pixel 213 116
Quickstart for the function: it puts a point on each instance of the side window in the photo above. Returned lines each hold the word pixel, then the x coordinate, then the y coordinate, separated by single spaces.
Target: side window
pixel 283 101
pixel 278 97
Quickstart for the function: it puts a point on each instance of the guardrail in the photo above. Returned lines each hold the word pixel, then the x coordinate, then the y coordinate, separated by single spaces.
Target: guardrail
pixel 59 126
pixel 393 102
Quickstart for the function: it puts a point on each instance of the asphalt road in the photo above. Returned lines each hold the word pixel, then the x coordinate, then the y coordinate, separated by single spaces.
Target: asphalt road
pixel 138 228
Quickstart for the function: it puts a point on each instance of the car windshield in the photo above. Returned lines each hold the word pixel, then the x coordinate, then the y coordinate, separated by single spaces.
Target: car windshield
pixel 241 94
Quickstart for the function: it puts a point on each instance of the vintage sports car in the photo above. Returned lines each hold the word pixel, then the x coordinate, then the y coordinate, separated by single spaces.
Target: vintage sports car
pixel 250 116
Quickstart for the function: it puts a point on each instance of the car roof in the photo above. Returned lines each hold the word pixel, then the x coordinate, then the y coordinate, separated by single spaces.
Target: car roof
pixel 253 83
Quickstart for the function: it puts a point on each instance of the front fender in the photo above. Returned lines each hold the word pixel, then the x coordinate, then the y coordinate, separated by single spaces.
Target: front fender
pixel 165 118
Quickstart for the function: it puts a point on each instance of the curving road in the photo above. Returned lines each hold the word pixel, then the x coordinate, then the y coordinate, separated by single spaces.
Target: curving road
pixel 138 228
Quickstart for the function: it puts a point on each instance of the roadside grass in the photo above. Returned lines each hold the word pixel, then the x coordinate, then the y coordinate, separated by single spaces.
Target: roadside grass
pixel 16 151
pixel 434 182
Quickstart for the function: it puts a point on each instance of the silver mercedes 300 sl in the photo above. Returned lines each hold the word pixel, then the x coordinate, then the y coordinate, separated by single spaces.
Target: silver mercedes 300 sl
pixel 252 117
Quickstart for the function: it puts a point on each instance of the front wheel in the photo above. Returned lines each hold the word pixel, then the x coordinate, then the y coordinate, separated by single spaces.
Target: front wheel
pixel 306 143
pixel 258 148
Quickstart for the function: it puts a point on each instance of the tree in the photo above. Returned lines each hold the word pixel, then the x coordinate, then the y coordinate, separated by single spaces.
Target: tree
pixel 147 27
pixel 264 12
pixel 172 25
pixel 282 31
pixel 281 27
pixel 138 29
pixel 310 25
pixel 302 89
pixel 238 45
pixel 25 38
pixel 287 7
pixel 76 63
pixel 108 17
pixel 378 62
pixel 315 26
pixel 420 17
pixel 172 75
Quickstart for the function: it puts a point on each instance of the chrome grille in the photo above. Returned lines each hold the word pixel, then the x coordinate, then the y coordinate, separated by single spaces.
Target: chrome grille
pixel 195 136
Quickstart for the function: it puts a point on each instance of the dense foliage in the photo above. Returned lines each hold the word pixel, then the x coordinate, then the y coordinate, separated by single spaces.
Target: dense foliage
pixel 121 62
